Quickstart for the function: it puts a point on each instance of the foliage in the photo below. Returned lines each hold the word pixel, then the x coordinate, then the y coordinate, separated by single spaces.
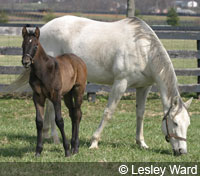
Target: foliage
pixel 49 16
pixel 172 17
pixel 137 12
pixel 3 17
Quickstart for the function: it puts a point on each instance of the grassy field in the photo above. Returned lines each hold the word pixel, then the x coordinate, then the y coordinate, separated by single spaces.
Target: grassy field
pixel 18 133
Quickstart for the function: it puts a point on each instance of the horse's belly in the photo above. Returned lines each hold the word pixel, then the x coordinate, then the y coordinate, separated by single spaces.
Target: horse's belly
pixel 99 75
pixel 142 83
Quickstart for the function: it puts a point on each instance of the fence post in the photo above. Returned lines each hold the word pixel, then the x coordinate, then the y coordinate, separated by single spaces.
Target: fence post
pixel 91 96
pixel 198 65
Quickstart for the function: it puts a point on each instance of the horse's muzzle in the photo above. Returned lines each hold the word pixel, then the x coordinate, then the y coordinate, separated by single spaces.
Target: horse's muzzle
pixel 179 152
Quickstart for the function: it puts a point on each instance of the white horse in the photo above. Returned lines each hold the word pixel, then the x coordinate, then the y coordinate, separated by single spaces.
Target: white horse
pixel 126 53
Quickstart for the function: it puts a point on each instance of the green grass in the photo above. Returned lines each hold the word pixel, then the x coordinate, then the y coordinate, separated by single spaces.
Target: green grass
pixel 10 41
pixel 18 134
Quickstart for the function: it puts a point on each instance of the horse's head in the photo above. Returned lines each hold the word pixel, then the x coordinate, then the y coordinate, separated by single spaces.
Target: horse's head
pixel 175 124
pixel 29 46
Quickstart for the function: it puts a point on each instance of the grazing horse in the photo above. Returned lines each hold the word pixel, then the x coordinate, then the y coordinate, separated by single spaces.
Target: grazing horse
pixel 125 53
pixel 51 78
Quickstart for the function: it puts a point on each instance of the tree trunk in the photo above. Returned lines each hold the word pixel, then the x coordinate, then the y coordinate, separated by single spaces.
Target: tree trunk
pixel 130 8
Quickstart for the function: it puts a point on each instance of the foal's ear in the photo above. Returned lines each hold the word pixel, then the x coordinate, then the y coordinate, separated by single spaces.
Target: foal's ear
pixel 37 32
pixel 24 31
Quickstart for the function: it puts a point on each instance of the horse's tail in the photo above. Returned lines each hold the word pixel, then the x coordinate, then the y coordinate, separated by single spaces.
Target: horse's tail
pixel 21 83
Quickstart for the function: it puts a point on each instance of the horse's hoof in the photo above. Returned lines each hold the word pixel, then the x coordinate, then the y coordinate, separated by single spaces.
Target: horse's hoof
pixel 37 155
pixel 142 144
pixel 45 134
pixel 56 140
pixel 94 145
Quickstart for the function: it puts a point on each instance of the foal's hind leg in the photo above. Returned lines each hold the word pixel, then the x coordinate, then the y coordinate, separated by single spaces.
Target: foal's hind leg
pixel 60 122
pixel 118 89
pixel 141 94
pixel 75 114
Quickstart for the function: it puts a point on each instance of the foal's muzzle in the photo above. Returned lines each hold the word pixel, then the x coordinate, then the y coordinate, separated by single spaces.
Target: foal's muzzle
pixel 26 61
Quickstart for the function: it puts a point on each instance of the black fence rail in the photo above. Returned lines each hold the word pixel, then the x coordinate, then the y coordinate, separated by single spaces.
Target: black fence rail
pixel 163 32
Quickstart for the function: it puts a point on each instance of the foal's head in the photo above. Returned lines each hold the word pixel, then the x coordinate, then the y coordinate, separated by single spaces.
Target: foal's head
pixel 29 46
pixel 175 124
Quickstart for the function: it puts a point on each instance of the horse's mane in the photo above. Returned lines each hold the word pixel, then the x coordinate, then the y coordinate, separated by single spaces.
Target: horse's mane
pixel 160 61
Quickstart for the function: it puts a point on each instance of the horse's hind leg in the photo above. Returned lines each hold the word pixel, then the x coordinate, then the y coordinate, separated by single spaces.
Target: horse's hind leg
pixel 141 94
pixel 49 119
pixel 118 89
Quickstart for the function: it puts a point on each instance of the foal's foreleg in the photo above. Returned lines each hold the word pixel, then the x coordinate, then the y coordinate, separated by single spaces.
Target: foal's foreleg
pixel 60 123
pixel 118 89
pixel 39 101
pixel 141 94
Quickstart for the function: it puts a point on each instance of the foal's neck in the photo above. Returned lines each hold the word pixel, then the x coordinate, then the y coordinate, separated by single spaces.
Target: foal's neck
pixel 40 61
pixel 41 55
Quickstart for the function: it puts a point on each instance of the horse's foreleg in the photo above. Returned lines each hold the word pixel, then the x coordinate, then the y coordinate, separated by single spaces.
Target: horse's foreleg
pixel 39 105
pixel 49 118
pixel 118 89
pixel 46 124
pixel 141 94
pixel 60 123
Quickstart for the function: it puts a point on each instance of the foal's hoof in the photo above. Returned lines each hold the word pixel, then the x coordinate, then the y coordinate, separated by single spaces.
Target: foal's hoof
pixel 67 154
pixel 74 151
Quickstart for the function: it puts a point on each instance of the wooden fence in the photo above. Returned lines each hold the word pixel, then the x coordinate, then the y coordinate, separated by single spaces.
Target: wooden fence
pixel 165 32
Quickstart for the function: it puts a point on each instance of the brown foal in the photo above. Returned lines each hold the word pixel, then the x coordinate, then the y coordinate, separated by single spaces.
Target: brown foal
pixel 53 78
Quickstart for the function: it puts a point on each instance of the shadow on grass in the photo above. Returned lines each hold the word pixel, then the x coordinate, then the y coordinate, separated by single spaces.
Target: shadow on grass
pixel 133 146
pixel 161 151
pixel 14 150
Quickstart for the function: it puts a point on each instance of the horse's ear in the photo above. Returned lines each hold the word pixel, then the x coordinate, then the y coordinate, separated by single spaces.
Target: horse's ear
pixel 37 32
pixel 24 31
pixel 188 103
pixel 175 102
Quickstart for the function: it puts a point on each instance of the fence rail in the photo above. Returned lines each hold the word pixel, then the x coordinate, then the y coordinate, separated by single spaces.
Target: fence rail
pixel 165 32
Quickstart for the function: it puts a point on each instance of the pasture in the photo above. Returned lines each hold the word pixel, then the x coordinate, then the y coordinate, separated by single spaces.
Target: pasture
pixel 18 131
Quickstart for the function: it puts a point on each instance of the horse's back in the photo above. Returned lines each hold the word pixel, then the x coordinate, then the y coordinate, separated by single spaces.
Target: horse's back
pixel 107 48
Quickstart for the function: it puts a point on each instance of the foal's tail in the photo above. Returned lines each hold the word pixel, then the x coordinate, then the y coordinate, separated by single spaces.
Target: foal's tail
pixel 21 83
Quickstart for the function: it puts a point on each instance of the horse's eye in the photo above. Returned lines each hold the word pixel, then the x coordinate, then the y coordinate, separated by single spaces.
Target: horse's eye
pixel 176 124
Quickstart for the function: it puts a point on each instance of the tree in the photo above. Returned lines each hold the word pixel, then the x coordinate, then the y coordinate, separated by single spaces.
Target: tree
pixel 172 17
pixel 3 17
pixel 130 8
